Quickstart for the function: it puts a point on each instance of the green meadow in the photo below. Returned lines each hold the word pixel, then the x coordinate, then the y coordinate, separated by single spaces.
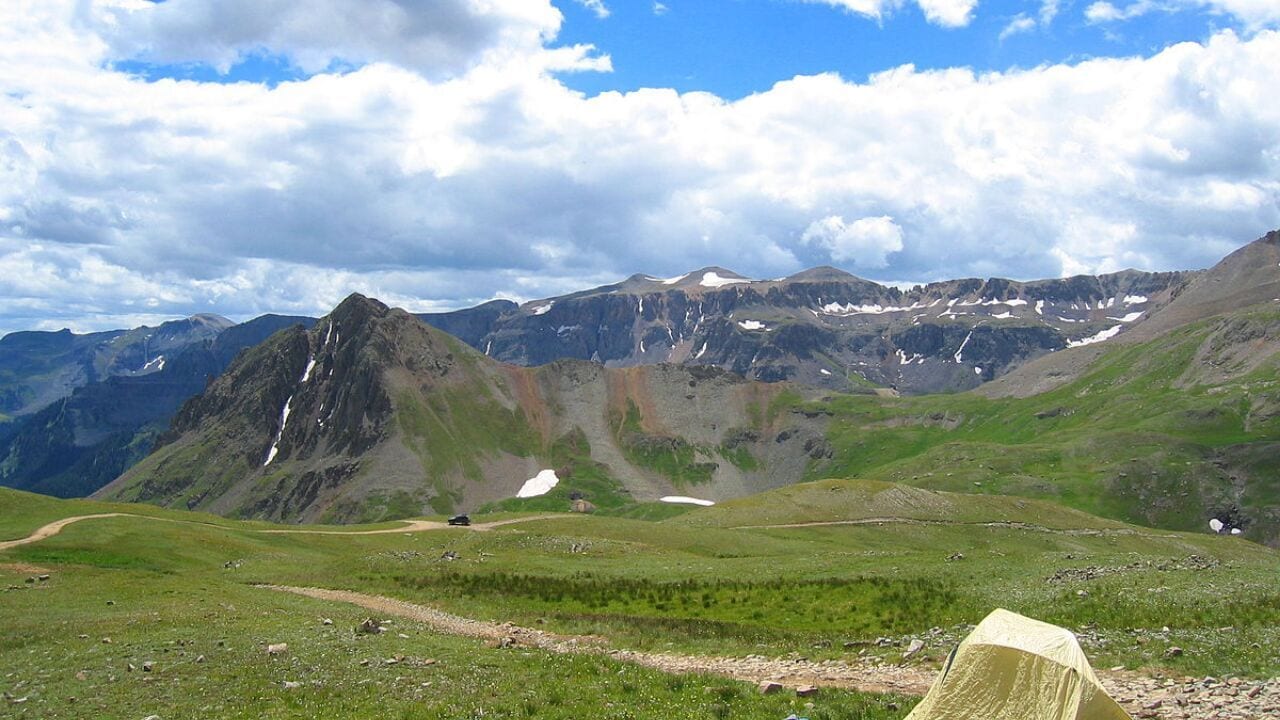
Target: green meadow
pixel 177 590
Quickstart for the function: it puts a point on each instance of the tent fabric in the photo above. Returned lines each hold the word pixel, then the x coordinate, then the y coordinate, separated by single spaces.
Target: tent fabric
pixel 1014 668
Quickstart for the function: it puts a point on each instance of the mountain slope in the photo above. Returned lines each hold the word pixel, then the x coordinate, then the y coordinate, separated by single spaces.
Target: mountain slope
pixel 374 414
pixel 38 368
pixel 822 326
pixel 1248 278
pixel 83 441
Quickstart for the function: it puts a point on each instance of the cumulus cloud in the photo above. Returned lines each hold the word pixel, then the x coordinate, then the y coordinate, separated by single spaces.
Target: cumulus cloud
pixel 945 13
pixel 866 242
pixel 1254 14
pixel 121 198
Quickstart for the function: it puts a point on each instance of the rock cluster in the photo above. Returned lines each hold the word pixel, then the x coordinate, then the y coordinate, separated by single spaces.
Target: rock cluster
pixel 1206 698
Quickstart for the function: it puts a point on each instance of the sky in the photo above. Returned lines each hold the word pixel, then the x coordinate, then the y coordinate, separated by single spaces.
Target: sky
pixel 160 159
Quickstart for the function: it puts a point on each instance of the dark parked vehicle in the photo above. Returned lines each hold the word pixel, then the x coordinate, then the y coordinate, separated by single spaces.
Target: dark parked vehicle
pixel 459 520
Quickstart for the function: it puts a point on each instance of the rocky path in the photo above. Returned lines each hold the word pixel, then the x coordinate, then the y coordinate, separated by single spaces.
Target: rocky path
pixel 1144 698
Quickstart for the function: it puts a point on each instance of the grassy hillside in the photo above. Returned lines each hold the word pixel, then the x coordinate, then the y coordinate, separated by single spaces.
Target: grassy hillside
pixel 177 590
pixel 1167 433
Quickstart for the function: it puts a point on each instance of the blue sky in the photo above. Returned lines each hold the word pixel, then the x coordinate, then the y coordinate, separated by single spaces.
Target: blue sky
pixel 251 156
pixel 736 47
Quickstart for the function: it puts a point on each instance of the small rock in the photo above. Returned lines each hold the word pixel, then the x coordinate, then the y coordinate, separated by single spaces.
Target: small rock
pixel 199 658
pixel 277 648
pixel 147 666
pixel 151 717
pixel 326 621
pixel 82 675
pixel 106 641
pixel 806 691
pixel 402 636
pixel 916 646
pixel 1173 652
pixel 291 685
pixel 111 602
pixel 129 667
pixel 83 637
pixel 768 687
pixel 370 626
pixel 1082 593
pixel 43 578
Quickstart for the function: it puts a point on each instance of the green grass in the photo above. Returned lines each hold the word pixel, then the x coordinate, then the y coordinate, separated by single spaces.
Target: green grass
pixel 1134 438
pixel 693 583
pixel 672 457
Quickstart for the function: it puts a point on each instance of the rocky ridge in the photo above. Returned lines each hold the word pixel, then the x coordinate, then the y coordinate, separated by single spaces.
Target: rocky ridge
pixel 822 326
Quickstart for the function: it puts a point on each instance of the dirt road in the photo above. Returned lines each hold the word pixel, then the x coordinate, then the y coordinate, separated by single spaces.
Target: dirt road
pixel 410 526
pixel 793 673
pixel 53 528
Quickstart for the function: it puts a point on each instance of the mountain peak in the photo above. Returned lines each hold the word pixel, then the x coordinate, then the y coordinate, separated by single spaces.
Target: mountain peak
pixel 359 308
pixel 822 273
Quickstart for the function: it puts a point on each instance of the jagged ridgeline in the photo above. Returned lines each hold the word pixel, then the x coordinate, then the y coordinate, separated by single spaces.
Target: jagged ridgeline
pixel 822 327
pixel 373 414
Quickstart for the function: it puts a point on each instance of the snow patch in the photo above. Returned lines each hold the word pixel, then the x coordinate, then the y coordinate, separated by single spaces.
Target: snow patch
pixel 752 325
pixel 713 280
pixel 1039 307
pixel 960 353
pixel 1104 335
pixel 562 330
pixel 1127 318
pixel 824 371
pixel 539 484
pixel 1135 299
pixel 543 309
pixel 701 352
pixel 977 371
pixel 284 420
pixel 157 365
pixel 682 500
pixel 874 309
pixel 1003 315
pixel 306 374
pixel 674 280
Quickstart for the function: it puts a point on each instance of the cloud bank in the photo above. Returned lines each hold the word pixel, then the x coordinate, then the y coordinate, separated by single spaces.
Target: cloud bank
pixel 439 180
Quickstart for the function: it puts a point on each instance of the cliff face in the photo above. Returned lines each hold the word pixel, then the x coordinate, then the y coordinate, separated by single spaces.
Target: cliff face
pixel 822 327
pixel 373 414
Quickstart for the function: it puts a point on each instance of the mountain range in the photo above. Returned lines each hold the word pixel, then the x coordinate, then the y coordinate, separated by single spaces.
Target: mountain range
pixel 1149 397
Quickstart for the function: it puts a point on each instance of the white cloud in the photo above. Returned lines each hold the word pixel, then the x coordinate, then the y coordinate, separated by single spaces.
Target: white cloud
pixel 866 242
pixel 660 8
pixel 596 6
pixel 444 189
pixel 946 13
pixel 1048 11
pixel 1254 14
pixel 1017 26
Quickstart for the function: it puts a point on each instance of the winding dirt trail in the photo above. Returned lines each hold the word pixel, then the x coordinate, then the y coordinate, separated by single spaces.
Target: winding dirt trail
pixel 754 668
pixel 421 526
pixel 54 528
pixel 410 526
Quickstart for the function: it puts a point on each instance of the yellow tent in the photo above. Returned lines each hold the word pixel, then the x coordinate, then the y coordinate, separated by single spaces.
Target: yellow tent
pixel 1014 668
